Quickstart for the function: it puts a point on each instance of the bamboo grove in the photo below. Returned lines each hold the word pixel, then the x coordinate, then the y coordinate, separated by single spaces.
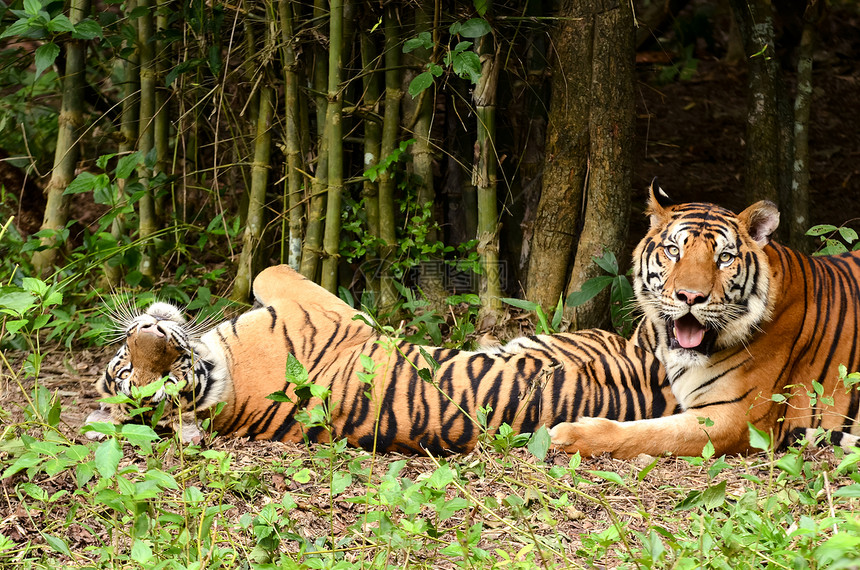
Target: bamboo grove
pixel 444 146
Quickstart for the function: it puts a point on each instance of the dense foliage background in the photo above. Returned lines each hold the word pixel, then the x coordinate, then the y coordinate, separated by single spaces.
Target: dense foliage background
pixel 445 147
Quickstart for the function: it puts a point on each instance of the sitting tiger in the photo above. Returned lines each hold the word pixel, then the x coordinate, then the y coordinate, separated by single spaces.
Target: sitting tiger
pixel 530 382
pixel 735 319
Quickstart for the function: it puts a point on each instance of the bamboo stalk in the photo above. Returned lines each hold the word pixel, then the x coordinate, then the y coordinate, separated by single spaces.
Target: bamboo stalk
pixel 128 132
pixel 292 138
pixel 390 132
pixel 161 121
pixel 146 139
pixel 484 178
pixel 312 248
pixel 67 151
pixel 255 222
pixel 372 148
pixel 334 125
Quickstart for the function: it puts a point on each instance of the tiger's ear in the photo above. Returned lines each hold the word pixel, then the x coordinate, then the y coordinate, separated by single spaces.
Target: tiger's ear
pixel 760 221
pixel 657 204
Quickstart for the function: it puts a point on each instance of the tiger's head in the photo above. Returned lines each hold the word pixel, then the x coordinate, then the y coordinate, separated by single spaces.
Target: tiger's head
pixel 158 343
pixel 701 276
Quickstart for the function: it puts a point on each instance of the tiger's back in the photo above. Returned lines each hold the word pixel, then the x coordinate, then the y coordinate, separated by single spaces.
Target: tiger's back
pixel 530 382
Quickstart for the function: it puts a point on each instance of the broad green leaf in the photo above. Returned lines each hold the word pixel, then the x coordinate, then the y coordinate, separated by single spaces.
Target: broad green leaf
pixel 589 290
pixel 339 482
pixel 32 7
pixel 539 443
pixel 19 303
pixel 141 551
pixel 473 28
pixel 421 82
pixel 126 165
pixel 87 29
pixel 279 396
pixel 758 438
pixel 60 24
pixel 714 496
pixel 107 457
pixel 45 56
pixel 607 262
pixel 58 544
pixel 821 230
pixel 610 476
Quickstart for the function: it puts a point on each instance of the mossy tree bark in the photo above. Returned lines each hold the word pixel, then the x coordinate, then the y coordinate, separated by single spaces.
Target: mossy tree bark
pixel 67 151
pixel 566 157
pixel 610 158
pixel 372 147
pixel 585 203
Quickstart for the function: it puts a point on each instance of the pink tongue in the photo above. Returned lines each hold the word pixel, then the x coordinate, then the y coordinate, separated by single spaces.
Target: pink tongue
pixel 689 332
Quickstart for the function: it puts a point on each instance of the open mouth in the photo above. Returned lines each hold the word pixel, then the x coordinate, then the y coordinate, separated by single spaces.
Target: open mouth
pixel 688 333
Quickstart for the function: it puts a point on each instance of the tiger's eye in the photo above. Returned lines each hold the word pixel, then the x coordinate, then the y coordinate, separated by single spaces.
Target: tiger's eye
pixel 672 251
pixel 124 374
pixel 726 258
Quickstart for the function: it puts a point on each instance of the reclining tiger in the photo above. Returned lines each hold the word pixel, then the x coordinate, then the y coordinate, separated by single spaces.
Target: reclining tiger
pixel 735 319
pixel 531 381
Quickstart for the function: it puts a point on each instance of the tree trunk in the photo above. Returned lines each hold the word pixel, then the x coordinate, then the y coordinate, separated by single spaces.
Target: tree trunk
pixel 566 162
pixel 761 173
pixel 799 220
pixel 610 179
pixel 335 137
pixel 67 151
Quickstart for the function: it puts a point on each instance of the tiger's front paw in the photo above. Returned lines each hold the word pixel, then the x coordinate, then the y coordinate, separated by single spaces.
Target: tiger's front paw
pixel 588 436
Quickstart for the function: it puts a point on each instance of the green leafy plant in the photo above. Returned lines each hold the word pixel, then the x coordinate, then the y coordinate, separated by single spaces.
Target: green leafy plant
pixel 621 297
pixel 834 240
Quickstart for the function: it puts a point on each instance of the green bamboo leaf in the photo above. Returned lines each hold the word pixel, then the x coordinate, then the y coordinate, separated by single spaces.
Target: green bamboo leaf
pixel 45 56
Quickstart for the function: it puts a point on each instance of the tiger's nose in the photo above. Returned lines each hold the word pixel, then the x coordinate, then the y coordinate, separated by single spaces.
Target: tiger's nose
pixel 691 297
pixel 153 329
